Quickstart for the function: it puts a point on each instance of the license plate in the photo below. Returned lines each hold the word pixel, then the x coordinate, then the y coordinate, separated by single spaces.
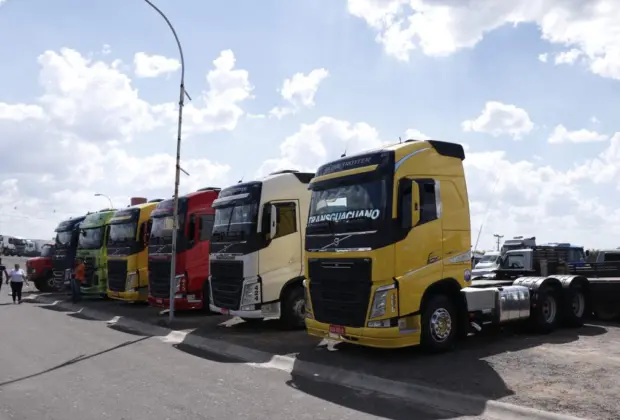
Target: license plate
pixel 159 301
pixel 335 331
pixel 225 311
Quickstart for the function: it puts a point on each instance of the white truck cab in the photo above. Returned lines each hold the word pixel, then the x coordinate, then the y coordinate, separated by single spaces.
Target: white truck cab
pixel 488 263
pixel 256 256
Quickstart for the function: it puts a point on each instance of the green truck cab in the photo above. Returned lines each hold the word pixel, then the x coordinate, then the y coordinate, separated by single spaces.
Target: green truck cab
pixel 92 249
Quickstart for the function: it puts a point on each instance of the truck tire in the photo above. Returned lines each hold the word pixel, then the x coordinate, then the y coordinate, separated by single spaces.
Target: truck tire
pixel 544 316
pixel 293 315
pixel 575 308
pixel 606 311
pixel 44 284
pixel 439 325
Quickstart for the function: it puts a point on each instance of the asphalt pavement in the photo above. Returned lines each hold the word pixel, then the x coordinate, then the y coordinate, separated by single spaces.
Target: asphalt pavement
pixel 59 366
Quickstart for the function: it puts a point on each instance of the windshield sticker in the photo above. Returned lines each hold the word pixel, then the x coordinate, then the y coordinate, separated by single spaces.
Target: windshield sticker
pixel 168 223
pixel 372 214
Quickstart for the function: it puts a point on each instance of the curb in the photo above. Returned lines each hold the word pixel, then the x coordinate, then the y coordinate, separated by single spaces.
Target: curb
pixel 433 398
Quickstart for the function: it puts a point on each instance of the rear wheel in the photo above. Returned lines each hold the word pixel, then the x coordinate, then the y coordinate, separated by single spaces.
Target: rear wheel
pixel 544 316
pixel 439 325
pixel 293 315
pixel 574 309
pixel 607 311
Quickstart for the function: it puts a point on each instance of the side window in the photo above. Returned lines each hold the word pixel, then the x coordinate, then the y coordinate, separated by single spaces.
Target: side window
pixel 429 208
pixel 287 219
pixel 205 222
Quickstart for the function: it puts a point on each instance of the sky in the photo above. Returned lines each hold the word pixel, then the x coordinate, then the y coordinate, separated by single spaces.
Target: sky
pixel 89 94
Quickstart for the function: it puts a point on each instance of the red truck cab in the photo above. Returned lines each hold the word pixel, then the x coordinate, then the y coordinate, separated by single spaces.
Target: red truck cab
pixel 196 218
pixel 39 269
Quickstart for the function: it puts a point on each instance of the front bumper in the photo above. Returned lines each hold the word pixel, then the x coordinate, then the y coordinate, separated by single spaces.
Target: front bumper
pixel 268 311
pixel 388 338
pixel 134 296
pixel 180 303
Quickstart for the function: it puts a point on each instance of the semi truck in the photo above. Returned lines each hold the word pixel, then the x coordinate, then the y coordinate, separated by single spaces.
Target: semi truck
pixel 40 269
pixel 388 258
pixel 8 249
pixel 127 245
pixel 257 249
pixel 195 223
pixel 93 251
pixel 65 248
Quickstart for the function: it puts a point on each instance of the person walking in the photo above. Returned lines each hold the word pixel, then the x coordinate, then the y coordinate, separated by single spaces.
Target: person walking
pixel 17 278
pixel 4 276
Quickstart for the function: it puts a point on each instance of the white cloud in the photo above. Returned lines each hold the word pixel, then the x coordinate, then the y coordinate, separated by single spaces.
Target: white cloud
pixel 228 89
pixel 594 120
pixel 316 143
pixel 413 134
pixel 561 135
pixel 106 49
pixel 524 198
pixel 72 142
pixel 568 57
pixel 154 65
pixel 543 57
pixel 499 119
pixel 299 91
pixel 440 28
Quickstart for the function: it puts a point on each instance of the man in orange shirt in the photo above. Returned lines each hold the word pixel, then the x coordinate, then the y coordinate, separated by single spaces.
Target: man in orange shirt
pixel 79 275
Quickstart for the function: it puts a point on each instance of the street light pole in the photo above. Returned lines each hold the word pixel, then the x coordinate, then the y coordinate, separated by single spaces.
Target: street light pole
pixel 109 199
pixel 498 238
pixel 175 217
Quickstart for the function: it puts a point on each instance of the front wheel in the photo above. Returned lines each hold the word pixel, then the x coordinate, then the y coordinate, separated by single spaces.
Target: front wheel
pixel 293 314
pixel 439 325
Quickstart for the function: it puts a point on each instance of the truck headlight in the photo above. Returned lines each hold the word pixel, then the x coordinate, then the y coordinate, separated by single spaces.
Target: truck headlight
pixel 251 293
pixel 379 302
pixel 132 281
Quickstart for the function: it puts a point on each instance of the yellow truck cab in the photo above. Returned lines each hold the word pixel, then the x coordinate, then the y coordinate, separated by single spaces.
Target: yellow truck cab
pixel 388 258
pixel 128 236
pixel 388 244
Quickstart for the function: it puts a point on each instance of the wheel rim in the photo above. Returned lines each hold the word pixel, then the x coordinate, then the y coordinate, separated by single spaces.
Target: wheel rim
pixel 579 304
pixel 441 324
pixel 549 309
pixel 299 309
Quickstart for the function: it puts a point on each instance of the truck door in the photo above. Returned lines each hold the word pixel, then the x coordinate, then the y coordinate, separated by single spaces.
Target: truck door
pixel 281 260
pixel 418 255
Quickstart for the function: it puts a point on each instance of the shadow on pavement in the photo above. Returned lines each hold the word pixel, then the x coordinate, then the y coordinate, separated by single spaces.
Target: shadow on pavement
pixel 73 361
pixel 466 370
pixel 365 402
pixel 482 365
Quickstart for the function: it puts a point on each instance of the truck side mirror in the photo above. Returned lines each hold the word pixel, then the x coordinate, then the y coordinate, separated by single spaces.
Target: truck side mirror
pixel 587 252
pixel 415 203
pixel 266 220
pixel 273 224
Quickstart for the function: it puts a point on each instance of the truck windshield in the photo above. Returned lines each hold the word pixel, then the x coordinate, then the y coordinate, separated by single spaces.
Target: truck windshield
pixel 348 208
pixel 122 233
pixel 488 259
pixel 161 231
pixel 46 251
pixel 235 222
pixel 63 238
pixel 91 238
